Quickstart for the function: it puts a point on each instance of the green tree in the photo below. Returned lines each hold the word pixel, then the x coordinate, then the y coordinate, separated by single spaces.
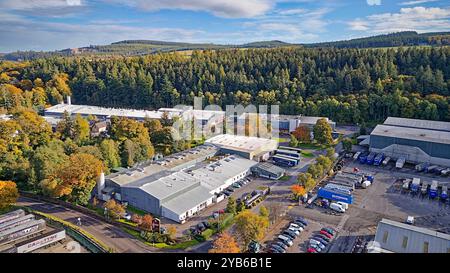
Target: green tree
pixel 110 153
pixel 322 132
pixel 231 205
pixel 293 142
pixel 347 144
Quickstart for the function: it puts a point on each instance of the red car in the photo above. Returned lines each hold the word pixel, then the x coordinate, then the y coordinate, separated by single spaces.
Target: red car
pixel 329 236
pixel 311 250
pixel 220 211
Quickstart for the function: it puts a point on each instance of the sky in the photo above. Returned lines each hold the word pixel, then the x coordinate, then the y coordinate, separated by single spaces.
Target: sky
pixel 60 24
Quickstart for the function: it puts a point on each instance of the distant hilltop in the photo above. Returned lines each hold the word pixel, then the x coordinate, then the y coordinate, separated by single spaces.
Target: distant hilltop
pixel 145 47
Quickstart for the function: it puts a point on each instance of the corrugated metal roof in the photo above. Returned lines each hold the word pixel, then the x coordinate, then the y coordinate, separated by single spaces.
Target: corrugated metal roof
pixel 242 143
pixel 415 229
pixel 412 133
pixel 418 123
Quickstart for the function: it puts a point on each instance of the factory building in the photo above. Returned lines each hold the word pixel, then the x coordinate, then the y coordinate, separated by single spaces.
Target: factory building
pixel 281 123
pixel 417 141
pixel 178 186
pixel 254 148
pixel 396 237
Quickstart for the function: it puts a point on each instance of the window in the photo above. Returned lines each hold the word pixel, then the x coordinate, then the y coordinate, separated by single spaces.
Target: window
pixel 385 236
pixel 405 242
pixel 425 247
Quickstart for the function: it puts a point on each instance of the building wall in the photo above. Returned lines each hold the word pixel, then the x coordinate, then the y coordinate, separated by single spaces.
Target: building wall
pixel 394 240
pixel 138 198
pixel 235 152
pixel 167 213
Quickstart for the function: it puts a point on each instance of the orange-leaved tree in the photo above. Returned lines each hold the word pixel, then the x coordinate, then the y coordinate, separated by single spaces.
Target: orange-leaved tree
pixel 8 194
pixel 225 243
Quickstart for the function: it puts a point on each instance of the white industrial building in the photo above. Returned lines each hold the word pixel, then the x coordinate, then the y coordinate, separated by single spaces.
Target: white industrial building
pixel 178 186
pixel 418 141
pixel 281 123
pixel 255 148
pixel 396 237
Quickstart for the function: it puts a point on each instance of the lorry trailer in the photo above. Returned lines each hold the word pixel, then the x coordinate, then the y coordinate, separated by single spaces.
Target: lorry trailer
pixel 378 159
pixel 400 162
pixel 415 185
pixel 386 161
pixel 16 222
pixel 430 169
pixel 444 193
pixel 424 188
pixel 335 195
pixel 363 157
pixel 370 158
pixel 339 188
pixel 433 189
pixel 421 167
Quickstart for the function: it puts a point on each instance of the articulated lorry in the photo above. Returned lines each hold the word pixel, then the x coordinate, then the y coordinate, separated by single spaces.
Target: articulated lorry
pixel 421 167
pixel 415 185
pixel 378 159
pixel 433 189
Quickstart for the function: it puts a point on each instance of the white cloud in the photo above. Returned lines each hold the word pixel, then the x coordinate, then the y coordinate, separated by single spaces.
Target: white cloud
pixel 373 2
pixel 420 19
pixel 39 4
pixel 220 8
pixel 417 2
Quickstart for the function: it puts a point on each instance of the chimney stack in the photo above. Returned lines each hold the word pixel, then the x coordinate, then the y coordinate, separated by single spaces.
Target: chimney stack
pixel 69 101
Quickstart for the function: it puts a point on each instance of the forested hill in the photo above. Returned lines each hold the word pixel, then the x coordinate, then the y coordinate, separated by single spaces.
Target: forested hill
pixel 146 47
pixel 346 85
pixel 406 38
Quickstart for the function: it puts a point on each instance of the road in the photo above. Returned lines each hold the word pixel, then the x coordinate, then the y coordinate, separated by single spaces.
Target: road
pixel 110 235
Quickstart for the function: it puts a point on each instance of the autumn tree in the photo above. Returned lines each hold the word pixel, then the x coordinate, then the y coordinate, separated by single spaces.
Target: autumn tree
pixel 298 191
pixel 306 180
pixel 171 232
pixel 8 194
pixel 75 179
pixel 146 222
pixel 225 243
pixel 231 205
pixel 322 132
pixel 250 226
pixel 114 209
pixel 263 211
pixel 293 142
pixel 136 218
pixel 34 126
pixel 303 134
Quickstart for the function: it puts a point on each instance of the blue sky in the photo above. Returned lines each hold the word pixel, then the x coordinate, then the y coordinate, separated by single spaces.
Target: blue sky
pixel 58 24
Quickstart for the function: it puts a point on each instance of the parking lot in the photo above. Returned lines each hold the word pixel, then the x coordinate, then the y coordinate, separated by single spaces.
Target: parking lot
pixel 383 199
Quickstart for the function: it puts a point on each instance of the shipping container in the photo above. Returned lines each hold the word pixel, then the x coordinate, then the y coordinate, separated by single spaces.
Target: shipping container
pixel 41 241
pixel 11 216
pixel 335 195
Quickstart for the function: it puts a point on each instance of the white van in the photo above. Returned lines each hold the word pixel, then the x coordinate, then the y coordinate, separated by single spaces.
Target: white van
pixel 285 240
pixel 337 207
pixel 344 205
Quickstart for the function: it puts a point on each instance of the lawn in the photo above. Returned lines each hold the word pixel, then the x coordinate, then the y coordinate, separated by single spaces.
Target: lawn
pixel 135 210
pixel 285 178
pixel 307 154
pixel 280 139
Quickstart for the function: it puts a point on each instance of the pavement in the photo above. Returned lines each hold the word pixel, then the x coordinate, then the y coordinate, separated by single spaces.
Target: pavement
pixel 110 235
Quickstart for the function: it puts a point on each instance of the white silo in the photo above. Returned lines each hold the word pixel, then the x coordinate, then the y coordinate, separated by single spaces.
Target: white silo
pixel 100 184
pixel 69 100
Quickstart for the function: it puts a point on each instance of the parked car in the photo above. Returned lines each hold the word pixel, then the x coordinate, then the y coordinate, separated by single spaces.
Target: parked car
pixel 201 227
pixel 236 185
pixel 288 234
pixel 329 230
pixel 302 220
pixel 329 236
pixel 278 248
pixel 206 224
pixel 296 227
pixel 286 240
pixel 321 240
pixel 272 250
pixel 311 250
pixel 315 242
pixel 325 238
pixel 280 244
pixel 230 188
pixel 300 224
pixel 316 247
pixel 295 231
pixel 227 193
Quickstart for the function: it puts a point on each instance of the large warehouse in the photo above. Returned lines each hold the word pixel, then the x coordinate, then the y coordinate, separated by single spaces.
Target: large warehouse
pixel 178 186
pixel 417 141
pixel 392 236
pixel 255 148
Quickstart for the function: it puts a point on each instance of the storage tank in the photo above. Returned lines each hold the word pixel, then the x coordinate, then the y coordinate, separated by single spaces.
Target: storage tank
pixel 100 184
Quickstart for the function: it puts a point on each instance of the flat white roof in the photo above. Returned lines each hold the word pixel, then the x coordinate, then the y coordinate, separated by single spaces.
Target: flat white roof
pixel 418 123
pixel 243 143
pixel 188 200
pixel 104 111
pixel 412 133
